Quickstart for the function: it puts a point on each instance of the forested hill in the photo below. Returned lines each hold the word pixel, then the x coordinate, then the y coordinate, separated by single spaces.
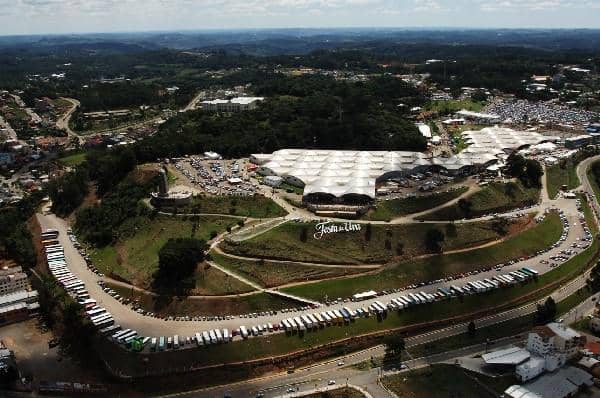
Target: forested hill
pixel 314 112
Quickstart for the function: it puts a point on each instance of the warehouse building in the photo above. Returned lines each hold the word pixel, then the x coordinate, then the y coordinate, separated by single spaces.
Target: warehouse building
pixel 345 176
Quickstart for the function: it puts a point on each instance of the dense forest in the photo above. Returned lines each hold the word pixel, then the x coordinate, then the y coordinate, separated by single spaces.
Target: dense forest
pixel 15 239
pixel 312 112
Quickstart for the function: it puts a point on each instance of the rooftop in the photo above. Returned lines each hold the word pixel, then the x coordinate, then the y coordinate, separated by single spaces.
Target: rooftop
pixel 563 331
pixel 341 172
pixel 508 356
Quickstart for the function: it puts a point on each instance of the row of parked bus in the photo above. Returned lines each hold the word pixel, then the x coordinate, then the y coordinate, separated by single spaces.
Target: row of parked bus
pixel 478 286
pixel 57 264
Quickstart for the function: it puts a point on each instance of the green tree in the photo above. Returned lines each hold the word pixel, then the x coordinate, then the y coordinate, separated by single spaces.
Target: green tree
pixel 178 258
pixel 434 239
pixel 546 312
pixel 471 329
pixel 394 346
pixel 465 206
pixel 368 231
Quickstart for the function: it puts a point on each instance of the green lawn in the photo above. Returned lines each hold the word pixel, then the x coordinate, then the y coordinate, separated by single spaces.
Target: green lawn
pixel 454 106
pixel 135 258
pixel 593 182
pixel 493 198
pixel 444 381
pixel 270 274
pixel 561 174
pixel 73 159
pixel 431 268
pixel 256 206
pixel 285 243
pixel 386 210
pixel 181 306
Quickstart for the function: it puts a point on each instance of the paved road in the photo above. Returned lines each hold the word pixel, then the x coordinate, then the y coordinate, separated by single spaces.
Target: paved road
pixel 63 121
pixel 156 327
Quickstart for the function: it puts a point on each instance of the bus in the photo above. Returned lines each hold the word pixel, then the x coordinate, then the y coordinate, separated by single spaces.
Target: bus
pixel 50 242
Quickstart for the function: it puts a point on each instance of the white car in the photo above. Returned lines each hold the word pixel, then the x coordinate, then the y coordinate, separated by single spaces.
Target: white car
pixel 331 382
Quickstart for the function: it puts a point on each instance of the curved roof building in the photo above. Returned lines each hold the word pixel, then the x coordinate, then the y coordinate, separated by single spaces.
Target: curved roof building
pixel 347 172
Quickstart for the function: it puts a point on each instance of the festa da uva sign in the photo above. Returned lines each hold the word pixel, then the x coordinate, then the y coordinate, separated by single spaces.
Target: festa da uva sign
pixel 328 227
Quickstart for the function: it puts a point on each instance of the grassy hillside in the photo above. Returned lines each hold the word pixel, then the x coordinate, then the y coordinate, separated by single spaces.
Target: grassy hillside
pixel 285 242
pixel 135 258
pixel 493 198
pixel 387 210
pixel 431 268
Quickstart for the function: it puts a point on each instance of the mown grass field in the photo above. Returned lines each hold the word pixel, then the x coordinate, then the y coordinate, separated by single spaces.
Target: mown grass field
pixel 270 274
pixel 557 176
pixel 402 274
pixel 454 105
pixel 182 306
pixel 443 381
pixel 285 243
pixel 73 159
pixel 493 198
pixel 387 210
pixel 256 206
pixel 135 258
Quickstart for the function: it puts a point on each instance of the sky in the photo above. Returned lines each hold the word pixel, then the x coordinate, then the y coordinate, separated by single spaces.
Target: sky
pixel 74 16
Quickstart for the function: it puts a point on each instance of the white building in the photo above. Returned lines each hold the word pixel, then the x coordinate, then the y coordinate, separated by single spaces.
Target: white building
pixel 344 173
pixel 13 280
pixel 238 104
pixel 530 369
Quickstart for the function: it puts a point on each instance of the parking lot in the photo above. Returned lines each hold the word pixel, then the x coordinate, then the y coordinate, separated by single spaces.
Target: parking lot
pixel 524 112
pixel 216 177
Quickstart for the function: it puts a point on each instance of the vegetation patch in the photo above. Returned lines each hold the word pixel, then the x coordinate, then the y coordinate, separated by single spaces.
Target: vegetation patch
pixel 257 206
pixel 563 173
pixel 493 198
pixel 73 159
pixel 344 392
pixel 270 274
pixel 397 275
pixel 169 305
pixel 374 243
pixel 443 381
pixel 134 256
pixel 387 210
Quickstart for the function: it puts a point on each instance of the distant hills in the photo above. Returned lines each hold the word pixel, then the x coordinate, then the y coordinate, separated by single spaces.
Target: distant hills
pixel 270 42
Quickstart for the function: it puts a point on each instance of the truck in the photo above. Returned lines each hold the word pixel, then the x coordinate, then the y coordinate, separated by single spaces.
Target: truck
pixel 153 344
pixel 176 341
pixel 161 343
